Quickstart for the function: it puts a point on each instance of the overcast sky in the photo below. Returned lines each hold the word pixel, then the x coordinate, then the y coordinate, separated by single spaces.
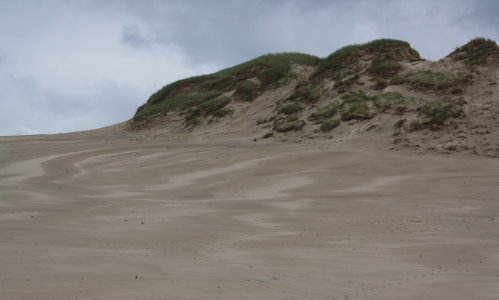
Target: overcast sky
pixel 76 65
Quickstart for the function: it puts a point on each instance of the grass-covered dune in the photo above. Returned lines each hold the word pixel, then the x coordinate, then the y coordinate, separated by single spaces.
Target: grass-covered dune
pixel 268 68
pixel 191 96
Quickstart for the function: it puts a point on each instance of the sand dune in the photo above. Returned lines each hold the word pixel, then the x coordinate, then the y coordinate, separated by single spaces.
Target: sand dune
pixel 83 217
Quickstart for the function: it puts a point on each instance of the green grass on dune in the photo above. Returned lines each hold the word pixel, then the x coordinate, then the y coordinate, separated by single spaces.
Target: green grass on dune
pixel 179 102
pixel 308 94
pixel 438 111
pixel 356 107
pixel 267 68
pixel 385 66
pixel 252 78
pixel 428 79
pixel 290 108
pixel 395 102
pixel 274 65
pixel 329 124
pixel 247 90
pixel 476 51
pixel 288 124
pixel 336 59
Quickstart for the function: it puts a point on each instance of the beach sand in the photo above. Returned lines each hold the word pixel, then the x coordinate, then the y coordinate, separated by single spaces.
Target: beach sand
pixel 92 217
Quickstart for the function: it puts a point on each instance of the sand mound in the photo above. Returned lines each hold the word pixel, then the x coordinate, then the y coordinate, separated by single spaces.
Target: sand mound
pixel 382 89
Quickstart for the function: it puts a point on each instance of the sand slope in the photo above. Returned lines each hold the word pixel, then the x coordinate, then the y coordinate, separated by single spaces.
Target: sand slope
pixel 83 217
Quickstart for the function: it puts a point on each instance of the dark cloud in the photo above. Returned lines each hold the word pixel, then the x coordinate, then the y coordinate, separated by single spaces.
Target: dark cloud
pixel 2 57
pixel 133 37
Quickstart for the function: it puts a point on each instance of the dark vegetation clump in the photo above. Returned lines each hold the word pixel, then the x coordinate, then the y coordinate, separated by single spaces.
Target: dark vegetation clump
pixel 308 94
pixel 476 51
pixel 214 107
pixel 288 124
pixel 345 82
pixel 290 108
pixel 247 90
pixel 380 85
pixel 329 124
pixel 357 111
pixel 324 113
pixel 263 121
pixel 394 102
pixel 385 66
pixel 268 135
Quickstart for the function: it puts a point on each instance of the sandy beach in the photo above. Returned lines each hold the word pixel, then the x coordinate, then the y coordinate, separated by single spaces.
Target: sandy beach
pixel 89 217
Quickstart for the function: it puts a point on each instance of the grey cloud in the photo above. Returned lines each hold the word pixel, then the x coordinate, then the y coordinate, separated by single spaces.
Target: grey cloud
pixel 133 37
pixel 482 14
pixel 227 32
pixel 29 109
pixel 220 31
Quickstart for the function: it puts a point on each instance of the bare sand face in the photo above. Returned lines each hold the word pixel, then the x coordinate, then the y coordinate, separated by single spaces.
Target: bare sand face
pixel 88 218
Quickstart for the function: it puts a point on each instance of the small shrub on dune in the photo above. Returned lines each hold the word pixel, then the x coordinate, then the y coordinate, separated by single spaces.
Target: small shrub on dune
pixel 357 107
pixel 438 111
pixel 357 111
pixel 385 67
pixel 213 105
pixel 288 124
pixel 290 108
pixel 324 113
pixel 329 124
pixel 307 94
pixel 394 102
pixel 247 90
